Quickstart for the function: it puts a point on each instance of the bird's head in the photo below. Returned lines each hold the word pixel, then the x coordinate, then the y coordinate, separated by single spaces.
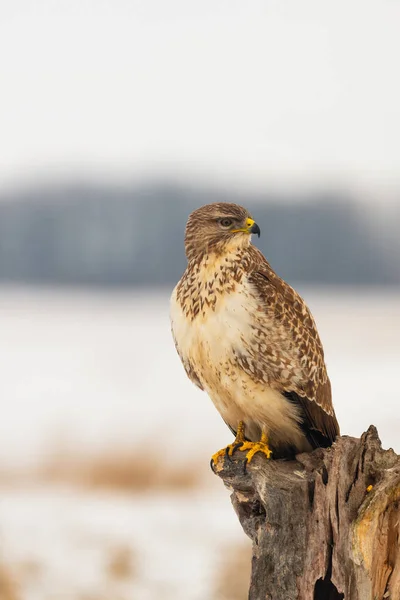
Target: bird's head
pixel 218 227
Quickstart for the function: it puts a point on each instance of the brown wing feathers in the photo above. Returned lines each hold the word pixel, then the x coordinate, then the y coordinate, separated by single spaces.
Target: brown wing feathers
pixel 320 428
pixel 313 394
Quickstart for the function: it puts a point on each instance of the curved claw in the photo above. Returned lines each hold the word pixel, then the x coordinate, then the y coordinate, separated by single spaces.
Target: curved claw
pixel 240 443
pixel 253 448
pixel 236 446
pixel 230 449
pixel 225 452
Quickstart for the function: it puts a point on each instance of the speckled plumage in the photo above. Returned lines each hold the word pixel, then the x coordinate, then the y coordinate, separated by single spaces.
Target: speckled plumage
pixel 248 339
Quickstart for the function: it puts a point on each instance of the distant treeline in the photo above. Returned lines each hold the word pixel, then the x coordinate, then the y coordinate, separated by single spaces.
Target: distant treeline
pixel 111 236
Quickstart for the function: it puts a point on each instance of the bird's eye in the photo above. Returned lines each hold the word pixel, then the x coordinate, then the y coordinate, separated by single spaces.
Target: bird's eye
pixel 226 222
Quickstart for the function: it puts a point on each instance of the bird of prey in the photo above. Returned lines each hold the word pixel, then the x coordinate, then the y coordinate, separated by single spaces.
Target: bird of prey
pixel 249 340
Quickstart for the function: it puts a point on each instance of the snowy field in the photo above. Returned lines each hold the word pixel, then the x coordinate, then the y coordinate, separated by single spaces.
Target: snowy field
pixel 91 374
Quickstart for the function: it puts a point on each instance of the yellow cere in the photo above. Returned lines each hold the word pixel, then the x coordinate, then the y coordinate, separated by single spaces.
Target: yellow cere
pixel 249 225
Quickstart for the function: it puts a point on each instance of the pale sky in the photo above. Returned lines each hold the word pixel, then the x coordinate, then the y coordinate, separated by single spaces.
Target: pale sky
pixel 282 93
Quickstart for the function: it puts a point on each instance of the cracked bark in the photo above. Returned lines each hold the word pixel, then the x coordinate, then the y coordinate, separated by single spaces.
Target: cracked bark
pixel 317 533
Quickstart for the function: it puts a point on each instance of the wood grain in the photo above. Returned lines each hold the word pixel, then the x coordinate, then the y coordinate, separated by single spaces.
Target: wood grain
pixel 317 533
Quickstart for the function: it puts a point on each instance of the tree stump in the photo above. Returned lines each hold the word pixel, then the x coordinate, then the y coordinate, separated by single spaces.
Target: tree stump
pixel 324 526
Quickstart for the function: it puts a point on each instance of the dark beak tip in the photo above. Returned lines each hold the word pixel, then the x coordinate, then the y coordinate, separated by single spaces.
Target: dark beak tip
pixel 255 229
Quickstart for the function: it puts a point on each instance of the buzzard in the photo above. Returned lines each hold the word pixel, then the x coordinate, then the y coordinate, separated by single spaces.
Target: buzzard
pixel 249 340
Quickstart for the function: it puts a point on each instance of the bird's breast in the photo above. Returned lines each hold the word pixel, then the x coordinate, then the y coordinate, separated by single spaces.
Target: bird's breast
pixel 209 340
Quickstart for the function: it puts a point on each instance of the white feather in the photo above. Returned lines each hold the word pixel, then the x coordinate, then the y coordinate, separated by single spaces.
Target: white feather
pixel 208 342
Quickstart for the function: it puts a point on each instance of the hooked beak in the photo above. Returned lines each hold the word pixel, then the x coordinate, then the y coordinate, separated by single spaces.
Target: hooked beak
pixel 255 229
pixel 251 227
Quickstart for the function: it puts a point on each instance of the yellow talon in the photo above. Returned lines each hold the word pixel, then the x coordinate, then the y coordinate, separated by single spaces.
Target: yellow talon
pixel 369 488
pixel 254 447
pixel 229 450
pixel 241 444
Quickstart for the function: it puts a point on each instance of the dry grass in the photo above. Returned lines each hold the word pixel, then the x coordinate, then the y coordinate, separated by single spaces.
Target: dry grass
pixel 114 469
pixel 121 563
pixel 9 589
pixel 233 576
pixel 121 470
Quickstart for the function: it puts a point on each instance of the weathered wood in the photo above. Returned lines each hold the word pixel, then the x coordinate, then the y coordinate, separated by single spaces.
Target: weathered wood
pixel 317 532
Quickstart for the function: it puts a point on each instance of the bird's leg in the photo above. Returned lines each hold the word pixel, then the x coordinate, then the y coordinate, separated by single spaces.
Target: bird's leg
pixel 254 447
pixel 239 439
pixel 230 449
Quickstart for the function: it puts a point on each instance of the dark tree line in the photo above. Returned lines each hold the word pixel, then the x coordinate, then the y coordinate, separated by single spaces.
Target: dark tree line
pixel 134 236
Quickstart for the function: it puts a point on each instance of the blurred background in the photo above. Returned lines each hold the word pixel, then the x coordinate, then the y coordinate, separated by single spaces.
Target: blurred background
pixel 117 120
